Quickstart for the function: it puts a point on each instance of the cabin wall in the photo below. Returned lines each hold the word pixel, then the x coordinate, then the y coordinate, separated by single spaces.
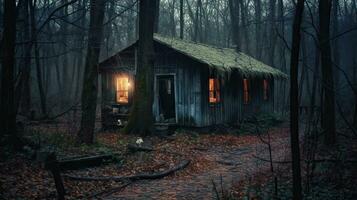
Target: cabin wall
pixel 231 108
pixel 187 85
pixel 257 104
pixel 192 90
pixel 228 110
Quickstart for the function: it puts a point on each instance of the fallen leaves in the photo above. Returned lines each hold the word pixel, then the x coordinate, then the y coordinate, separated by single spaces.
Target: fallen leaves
pixel 22 178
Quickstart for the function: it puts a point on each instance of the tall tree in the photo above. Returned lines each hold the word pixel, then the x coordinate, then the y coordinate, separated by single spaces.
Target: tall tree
pixel 141 115
pixel 258 19
pixel 23 88
pixel 7 103
pixel 157 16
pixel 272 33
pixel 336 42
pixel 181 19
pixel 328 104
pixel 234 13
pixel 90 80
pixel 198 22
pixel 294 103
pixel 244 16
pixel 172 19
pixel 34 37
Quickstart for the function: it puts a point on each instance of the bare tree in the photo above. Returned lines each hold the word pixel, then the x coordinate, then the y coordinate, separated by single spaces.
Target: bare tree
pixel 157 16
pixel 23 89
pixel 7 106
pixel 141 115
pixel 90 81
pixel 294 103
pixel 34 37
pixel 234 13
pixel 258 19
pixel 181 19
pixel 328 104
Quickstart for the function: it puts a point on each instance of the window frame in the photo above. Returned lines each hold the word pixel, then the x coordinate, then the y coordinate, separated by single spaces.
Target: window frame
pixel 117 77
pixel 266 90
pixel 216 92
pixel 246 91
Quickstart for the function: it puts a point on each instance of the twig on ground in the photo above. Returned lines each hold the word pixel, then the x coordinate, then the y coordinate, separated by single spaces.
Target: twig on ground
pixel 110 190
pixel 158 175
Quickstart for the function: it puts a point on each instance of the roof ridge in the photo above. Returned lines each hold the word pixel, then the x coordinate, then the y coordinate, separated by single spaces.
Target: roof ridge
pixel 192 42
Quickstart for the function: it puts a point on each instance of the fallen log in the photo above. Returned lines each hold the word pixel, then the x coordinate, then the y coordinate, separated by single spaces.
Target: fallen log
pixel 158 175
pixel 136 148
pixel 84 162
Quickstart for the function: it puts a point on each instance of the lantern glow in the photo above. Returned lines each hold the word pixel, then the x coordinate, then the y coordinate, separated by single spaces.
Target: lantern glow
pixel 122 89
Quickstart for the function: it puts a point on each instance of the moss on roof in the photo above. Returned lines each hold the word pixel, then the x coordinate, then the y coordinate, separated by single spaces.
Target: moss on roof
pixel 222 59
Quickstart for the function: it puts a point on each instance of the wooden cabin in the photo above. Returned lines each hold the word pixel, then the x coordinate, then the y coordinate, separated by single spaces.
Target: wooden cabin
pixel 195 84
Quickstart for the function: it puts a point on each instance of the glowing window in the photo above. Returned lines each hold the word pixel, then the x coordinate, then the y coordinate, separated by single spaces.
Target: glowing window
pixel 214 90
pixel 265 89
pixel 246 97
pixel 122 89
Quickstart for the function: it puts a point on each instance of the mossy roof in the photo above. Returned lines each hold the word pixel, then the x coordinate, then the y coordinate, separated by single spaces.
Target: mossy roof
pixel 222 59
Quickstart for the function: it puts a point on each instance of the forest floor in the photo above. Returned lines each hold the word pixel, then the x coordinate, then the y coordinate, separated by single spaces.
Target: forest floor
pixel 220 164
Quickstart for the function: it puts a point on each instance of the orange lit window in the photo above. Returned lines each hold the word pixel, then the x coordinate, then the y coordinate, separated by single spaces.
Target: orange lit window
pixel 246 97
pixel 265 89
pixel 214 90
pixel 122 89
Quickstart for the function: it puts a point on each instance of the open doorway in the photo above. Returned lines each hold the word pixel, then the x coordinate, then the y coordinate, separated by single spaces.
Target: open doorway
pixel 166 98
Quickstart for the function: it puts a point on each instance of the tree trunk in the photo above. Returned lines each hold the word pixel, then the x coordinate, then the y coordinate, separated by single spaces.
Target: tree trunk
pixel 157 17
pixel 294 103
pixel 244 15
pixel 258 19
pixel 314 86
pixel 328 106
pixel 354 62
pixel 7 106
pixel 90 80
pixel 234 13
pixel 282 56
pixel 354 71
pixel 303 72
pixel 22 91
pixel 141 115
pixel 272 32
pixel 37 60
pixel 181 19
pixel 172 19
pixel 198 22
pixel 335 44
pixel 65 65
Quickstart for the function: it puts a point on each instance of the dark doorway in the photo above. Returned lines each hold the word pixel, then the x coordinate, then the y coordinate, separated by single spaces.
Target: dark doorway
pixel 166 98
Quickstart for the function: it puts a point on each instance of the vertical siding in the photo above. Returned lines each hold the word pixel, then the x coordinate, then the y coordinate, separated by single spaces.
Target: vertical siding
pixel 187 85
pixel 192 91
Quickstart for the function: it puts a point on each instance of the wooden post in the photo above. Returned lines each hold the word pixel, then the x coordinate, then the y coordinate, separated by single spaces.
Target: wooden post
pixel 53 167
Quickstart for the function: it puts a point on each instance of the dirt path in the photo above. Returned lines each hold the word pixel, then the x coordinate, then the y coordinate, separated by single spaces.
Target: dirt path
pixel 232 164
pixel 230 156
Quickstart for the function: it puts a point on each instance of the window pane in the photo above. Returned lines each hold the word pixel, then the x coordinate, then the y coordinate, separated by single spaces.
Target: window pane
pixel 265 89
pixel 246 91
pixel 214 93
pixel 122 89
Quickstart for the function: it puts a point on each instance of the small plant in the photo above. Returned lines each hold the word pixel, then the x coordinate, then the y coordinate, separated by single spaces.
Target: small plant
pixel 222 194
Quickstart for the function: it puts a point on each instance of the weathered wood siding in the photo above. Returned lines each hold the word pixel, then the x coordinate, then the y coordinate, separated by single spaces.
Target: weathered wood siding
pixel 187 84
pixel 192 89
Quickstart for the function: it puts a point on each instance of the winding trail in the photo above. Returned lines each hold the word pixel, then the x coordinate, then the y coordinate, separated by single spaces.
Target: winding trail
pixel 231 165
